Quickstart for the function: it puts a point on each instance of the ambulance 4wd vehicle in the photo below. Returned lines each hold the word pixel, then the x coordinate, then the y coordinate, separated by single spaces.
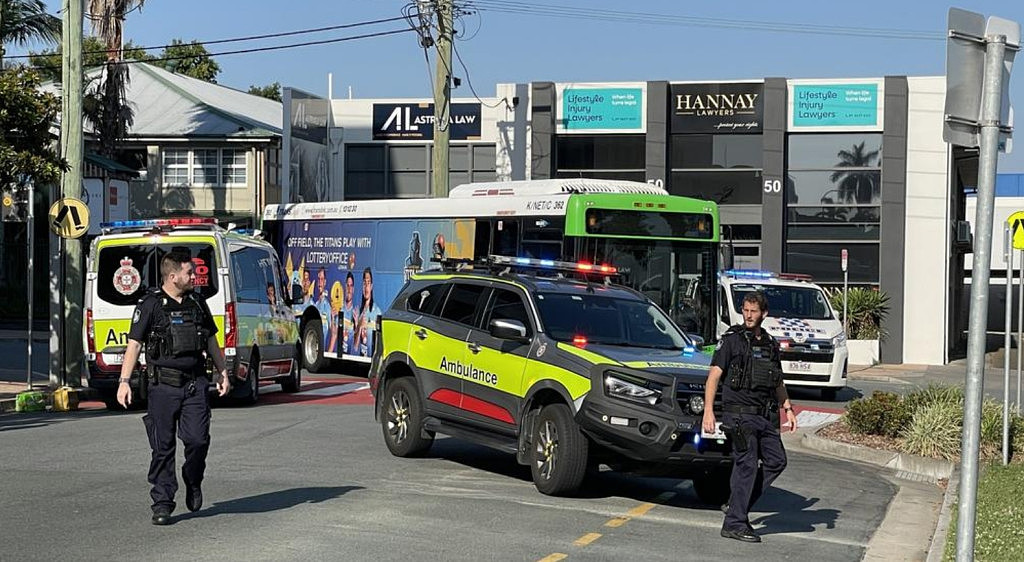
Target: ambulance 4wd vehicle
pixel 800 317
pixel 239 276
pixel 565 374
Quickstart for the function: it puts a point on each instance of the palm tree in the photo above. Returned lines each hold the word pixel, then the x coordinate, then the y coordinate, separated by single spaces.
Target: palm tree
pixel 23 21
pixel 106 106
pixel 856 185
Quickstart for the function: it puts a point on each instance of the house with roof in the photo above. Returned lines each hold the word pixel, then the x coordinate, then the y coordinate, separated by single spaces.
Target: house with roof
pixel 197 148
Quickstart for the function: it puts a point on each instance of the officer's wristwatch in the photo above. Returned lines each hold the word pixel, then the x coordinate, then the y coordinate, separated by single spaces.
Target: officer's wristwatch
pixel 790 409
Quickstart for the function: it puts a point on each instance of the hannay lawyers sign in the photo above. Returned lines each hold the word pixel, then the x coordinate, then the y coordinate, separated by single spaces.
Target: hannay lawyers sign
pixel 717 108
pixel 415 121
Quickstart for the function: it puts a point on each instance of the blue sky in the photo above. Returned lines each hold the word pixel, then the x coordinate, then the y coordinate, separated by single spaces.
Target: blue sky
pixel 528 47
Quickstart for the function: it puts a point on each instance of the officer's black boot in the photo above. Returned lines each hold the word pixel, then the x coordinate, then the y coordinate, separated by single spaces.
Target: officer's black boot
pixel 746 535
pixel 193 498
pixel 162 517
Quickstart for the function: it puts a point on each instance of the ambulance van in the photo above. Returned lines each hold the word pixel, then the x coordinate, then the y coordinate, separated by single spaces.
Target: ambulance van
pixel 237 273
pixel 800 318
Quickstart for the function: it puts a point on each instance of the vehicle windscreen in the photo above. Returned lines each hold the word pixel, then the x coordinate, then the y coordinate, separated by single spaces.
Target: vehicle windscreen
pixel 125 273
pixel 607 320
pixel 808 303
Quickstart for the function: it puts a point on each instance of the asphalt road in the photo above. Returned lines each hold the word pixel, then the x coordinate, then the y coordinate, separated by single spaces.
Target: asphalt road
pixel 306 480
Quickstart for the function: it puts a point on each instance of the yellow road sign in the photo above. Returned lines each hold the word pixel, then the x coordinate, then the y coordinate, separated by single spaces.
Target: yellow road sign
pixel 69 217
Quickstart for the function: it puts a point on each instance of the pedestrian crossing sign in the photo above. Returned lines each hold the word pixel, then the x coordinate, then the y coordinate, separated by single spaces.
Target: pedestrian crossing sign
pixel 69 218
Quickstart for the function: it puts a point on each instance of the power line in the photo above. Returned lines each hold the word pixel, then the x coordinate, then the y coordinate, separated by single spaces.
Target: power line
pixel 524 8
pixel 469 81
pixel 236 39
pixel 263 49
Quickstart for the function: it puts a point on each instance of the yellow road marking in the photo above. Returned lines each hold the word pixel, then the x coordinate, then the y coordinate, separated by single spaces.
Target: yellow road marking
pixel 587 539
pixel 554 557
pixel 641 509
pixel 617 522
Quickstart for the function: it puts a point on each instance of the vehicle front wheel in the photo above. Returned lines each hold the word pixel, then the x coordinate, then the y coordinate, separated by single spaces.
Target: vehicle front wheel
pixel 313 346
pixel 402 422
pixel 559 453
pixel 713 489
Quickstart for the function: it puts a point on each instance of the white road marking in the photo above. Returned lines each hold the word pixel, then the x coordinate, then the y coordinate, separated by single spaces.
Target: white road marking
pixel 336 390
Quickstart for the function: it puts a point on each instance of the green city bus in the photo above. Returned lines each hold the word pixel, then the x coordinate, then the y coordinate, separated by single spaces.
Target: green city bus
pixel 351 258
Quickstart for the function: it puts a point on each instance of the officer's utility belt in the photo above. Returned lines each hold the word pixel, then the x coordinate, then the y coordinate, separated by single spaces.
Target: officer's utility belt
pixel 172 377
pixel 764 411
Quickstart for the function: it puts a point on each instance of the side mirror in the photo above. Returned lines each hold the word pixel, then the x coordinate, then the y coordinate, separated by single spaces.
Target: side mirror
pixel 297 294
pixel 508 330
pixel 697 340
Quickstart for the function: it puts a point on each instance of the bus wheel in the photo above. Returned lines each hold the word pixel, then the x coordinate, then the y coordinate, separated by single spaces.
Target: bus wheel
pixel 313 346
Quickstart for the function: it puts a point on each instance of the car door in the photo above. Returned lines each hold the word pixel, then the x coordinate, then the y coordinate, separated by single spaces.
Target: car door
pixel 437 348
pixel 493 391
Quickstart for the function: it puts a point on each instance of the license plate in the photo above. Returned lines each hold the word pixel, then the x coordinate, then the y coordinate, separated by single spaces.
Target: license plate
pixel 113 358
pixel 800 366
pixel 718 434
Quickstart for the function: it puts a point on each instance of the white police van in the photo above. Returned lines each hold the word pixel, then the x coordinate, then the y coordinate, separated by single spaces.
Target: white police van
pixel 800 318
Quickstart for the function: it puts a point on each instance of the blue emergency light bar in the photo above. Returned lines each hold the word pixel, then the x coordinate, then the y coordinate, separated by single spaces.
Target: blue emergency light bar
pixel 554 264
pixel 156 223
pixel 748 273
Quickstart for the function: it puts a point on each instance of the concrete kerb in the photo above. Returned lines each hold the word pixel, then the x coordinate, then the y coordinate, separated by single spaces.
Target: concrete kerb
pixel 937 548
pixel 931 469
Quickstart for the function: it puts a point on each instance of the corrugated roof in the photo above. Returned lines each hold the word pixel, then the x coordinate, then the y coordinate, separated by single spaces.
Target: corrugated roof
pixel 174 105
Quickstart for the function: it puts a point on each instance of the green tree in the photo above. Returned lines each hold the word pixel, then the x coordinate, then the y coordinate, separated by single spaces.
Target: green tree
pixel 27 116
pixel 191 59
pixel 108 109
pixel 94 53
pixel 270 91
pixel 22 21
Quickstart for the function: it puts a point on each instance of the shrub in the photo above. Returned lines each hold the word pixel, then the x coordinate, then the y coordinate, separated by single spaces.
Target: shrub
pixel 866 308
pixel 951 396
pixel 991 428
pixel 934 432
pixel 884 413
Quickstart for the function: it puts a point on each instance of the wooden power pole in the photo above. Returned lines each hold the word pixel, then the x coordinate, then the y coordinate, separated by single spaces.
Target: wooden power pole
pixel 72 149
pixel 442 95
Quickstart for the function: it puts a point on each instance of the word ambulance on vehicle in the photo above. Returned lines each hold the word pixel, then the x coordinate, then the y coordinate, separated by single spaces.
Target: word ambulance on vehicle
pixel 238 274
pixel 800 318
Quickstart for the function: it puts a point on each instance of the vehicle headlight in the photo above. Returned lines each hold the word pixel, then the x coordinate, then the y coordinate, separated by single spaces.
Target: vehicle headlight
pixel 840 340
pixel 697 404
pixel 635 389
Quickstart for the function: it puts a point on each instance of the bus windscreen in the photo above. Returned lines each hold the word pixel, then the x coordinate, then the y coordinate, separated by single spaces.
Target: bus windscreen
pixel 660 224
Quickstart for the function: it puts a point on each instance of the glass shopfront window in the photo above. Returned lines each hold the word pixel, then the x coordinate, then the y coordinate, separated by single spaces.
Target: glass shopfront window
pixel 833 200
pixel 725 168
pixel 601 156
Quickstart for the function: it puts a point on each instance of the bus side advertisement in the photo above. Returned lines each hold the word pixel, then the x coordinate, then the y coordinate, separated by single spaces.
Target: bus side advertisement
pixel 351 270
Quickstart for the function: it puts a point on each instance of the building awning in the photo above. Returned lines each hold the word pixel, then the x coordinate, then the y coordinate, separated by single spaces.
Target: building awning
pixel 109 165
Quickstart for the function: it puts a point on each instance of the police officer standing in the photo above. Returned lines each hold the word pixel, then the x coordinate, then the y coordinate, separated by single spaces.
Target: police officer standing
pixel 176 326
pixel 747 360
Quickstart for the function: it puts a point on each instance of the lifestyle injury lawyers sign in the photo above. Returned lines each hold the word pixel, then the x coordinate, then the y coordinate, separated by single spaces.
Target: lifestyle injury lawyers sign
pixel 835 105
pixel 597 108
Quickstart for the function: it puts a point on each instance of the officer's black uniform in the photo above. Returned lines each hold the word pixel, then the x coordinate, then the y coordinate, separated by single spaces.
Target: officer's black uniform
pixel 751 372
pixel 175 335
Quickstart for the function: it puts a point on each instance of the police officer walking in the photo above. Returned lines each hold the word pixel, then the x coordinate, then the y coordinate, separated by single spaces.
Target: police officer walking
pixel 747 359
pixel 177 328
